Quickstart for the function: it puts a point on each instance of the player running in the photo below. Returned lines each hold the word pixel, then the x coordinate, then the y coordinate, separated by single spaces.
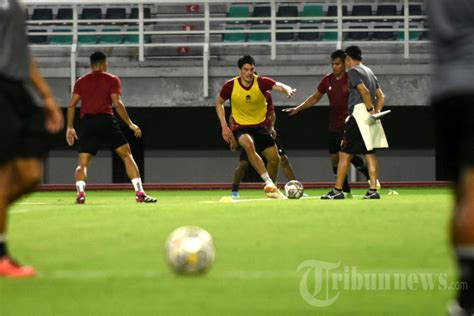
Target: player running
pixel 248 108
pixel 97 91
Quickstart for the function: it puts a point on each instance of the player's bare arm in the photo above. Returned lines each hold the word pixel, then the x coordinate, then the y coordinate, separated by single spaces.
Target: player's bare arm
pixel 283 88
pixel 226 131
pixel 309 102
pixel 380 100
pixel 54 116
pixel 271 129
pixel 71 135
pixel 365 94
pixel 122 112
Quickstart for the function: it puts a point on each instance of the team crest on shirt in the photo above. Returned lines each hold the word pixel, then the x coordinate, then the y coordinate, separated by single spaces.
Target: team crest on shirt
pixel 248 98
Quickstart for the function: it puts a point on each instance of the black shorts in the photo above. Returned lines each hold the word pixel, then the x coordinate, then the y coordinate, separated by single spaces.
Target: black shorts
pixel 352 141
pixel 260 136
pixel 22 131
pixel 98 130
pixel 281 151
pixel 334 142
pixel 454 126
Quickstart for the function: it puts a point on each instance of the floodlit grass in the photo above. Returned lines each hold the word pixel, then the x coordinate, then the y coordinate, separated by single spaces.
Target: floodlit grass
pixel 107 257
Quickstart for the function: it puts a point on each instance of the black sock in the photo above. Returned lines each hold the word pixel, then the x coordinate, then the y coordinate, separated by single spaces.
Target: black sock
pixel 359 163
pixel 235 187
pixel 466 279
pixel 372 190
pixel 3 249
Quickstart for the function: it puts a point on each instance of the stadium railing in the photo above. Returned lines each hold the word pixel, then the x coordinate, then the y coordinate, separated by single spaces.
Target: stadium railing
pixel 210 27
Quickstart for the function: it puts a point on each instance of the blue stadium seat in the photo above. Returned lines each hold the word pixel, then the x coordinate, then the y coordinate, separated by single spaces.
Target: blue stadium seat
pixel 287 11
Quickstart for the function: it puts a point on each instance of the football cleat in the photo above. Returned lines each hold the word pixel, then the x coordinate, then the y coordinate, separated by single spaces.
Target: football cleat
pixel 81 198
pixel 333 195
pixel 372 195
pixel 142 197
pixel 235 194
pixel 272 191
pixel 11 269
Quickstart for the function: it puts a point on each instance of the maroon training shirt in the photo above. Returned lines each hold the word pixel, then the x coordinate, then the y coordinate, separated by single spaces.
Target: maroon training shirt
pixel 338 94
pixel 95 90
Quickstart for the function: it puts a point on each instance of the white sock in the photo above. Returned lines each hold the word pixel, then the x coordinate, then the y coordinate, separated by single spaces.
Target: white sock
pixel 137 184
pixel 80 186
pixel 3 238
pixel 265 177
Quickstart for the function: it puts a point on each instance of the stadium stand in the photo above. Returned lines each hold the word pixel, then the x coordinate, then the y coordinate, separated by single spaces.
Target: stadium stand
pixel 287 11
pixel 261 12
pixel 238 12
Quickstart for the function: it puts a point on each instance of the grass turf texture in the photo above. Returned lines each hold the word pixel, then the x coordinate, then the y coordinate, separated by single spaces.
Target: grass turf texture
pixel 107 257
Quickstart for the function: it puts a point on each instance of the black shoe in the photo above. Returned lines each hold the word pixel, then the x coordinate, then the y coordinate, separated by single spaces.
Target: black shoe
pixel 333 195
pixel 371 195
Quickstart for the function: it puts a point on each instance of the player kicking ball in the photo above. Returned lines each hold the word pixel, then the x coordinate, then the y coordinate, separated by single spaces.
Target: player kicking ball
pixel 246 93
pixel 97 91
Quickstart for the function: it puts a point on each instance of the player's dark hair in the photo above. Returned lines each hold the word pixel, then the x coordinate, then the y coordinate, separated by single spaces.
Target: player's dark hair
pixel 354 52
pixel 338 54
pixel 97 58
pixel 247 59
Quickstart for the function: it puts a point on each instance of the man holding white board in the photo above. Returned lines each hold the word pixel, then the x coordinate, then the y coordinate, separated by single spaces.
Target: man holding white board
pixel 363 132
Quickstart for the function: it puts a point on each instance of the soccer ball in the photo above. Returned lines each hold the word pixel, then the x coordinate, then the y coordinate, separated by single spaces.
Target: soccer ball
pixel 190 250
pixel 294 189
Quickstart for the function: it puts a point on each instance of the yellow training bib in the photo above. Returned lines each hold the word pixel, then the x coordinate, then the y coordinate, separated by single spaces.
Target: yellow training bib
pixel 249 107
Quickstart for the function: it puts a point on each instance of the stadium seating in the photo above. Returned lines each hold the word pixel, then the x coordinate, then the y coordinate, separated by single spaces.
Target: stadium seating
pixel 308 36
pixel 362 10
pixel 112 38
pixel 234 37
pixel 238 12
pixel 358 36
pixel 116 14
pixel 134 38
pixel 259 37
pixel 330 36
pixel 332 11
pixel 261 12
pixel 38 39
pixel 287 36
pixel 383 35
pixel 413 35
pixel 386 10
pixel 146 13
pixel 310 10
pixel 61 39
pixel 42 14
pixel 287 11
pixel 86 39
pixel 64 14
pixel 91 14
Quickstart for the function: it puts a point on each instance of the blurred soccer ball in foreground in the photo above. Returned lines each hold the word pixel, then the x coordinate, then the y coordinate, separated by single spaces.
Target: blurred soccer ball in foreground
pixel 294 189
pixel 190 250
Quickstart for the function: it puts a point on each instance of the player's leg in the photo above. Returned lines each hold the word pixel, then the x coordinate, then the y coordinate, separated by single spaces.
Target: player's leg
pixel 360 165
pixel 273 161
pixel 26 175
pixel 287 168
pixel 334 145
pixel 80 176
pixel 247 143
pixel 371 160
pixel 8 267
pixel 133 173
pixel 239 174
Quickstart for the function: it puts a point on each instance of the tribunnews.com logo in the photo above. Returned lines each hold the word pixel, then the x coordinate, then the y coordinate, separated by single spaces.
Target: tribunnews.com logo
pixel 322 282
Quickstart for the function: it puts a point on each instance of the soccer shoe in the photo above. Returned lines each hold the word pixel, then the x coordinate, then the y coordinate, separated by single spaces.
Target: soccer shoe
pixel 271 191
pixel 235 194
pixel 333 195
pixel 81 198
pixel 11 269
pixel 142 197
pixel 372 195
pixel 455 310
pixel 377 184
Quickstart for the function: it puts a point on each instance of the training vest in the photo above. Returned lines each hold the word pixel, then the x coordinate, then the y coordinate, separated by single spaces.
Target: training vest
pixel 249 107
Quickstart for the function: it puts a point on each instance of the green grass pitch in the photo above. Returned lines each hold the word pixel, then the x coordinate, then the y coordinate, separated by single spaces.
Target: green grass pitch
pixel 107 257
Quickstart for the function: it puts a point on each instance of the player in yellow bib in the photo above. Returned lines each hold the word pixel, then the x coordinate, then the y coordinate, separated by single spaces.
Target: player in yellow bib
pixel 249 107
